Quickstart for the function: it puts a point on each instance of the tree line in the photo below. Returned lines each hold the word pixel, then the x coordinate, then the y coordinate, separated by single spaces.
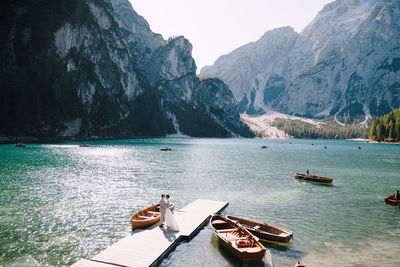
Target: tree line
pixel 386 128
pixel 326 130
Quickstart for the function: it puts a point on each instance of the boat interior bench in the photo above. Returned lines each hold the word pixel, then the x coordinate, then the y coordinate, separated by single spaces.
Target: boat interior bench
pixel 219 222
pixel 144 217
pixel 283 234
pixel 237 238
pixel 226 230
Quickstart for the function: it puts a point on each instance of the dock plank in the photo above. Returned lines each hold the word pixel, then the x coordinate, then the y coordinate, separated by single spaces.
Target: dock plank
pixel 147 247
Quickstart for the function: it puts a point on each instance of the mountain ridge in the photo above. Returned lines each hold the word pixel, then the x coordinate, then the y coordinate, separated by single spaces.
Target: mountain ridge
pixel 344 61
pixel 84 69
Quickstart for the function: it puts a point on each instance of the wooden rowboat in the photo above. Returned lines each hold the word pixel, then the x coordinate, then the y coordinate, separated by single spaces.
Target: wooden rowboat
pixel 313 178
pixel 237 239
pixel 165 149
pixel 298 264
pixel 264 231
pixel 147 216
pixel 391 200
pixel 20 145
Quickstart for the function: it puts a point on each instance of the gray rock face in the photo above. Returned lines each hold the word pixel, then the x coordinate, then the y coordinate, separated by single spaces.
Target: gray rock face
pixel 209 102
pixel 248 69
pixel 221 105
pixel 174 68
pixel 137 33
pixel 345 60
pixel 94 68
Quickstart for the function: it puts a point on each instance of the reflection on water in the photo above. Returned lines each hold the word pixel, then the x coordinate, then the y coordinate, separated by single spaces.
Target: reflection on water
pixel 60 203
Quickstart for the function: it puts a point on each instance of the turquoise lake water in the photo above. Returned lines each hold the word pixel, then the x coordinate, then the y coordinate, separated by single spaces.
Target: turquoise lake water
pixel 61 203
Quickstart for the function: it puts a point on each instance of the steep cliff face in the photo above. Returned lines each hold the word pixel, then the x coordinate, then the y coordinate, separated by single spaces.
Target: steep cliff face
pixel 141 40
pixel 64 76
pixel 221 105
pixel 189 102
pixel 344 61
pixel 249 69
pixel 94 68
pixel 341 68
pixel 174 70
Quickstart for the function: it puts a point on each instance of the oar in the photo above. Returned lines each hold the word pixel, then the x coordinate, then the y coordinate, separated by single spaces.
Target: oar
pixel 383 196
pixel 305 176
pixel 302 179
pixel 295 173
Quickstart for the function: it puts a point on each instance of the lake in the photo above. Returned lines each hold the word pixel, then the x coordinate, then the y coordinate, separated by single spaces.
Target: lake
pixel 62 202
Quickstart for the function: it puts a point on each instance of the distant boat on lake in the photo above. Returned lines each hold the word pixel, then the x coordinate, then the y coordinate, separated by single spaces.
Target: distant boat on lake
pixel 391 200
pixel 313 178
pixel 264 146
pixel 165 149
pixel 19 145
pixel 84 145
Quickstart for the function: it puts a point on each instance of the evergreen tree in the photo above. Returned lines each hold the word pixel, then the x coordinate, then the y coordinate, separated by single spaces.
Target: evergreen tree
pixel 386 128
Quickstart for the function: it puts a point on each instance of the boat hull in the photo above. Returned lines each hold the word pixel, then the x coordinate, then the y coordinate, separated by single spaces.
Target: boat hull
pixel 254 252
pixel 19 145
pixel 266 232
pixel 391 200
pixel 246 257
pixel 313 178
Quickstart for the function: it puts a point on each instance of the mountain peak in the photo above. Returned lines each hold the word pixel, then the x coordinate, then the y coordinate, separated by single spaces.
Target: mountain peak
pixel 279 31
pixel 333 66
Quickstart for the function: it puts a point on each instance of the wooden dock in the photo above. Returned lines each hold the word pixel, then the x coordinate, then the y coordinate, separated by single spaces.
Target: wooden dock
pixel 148 247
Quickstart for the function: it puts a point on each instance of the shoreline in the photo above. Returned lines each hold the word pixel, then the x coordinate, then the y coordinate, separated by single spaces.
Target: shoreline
pixel 59 140
pixel 358 139
pixel 383 142
pixel 70 139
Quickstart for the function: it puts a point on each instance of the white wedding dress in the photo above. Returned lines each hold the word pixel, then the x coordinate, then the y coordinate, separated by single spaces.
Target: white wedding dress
pixel 170 220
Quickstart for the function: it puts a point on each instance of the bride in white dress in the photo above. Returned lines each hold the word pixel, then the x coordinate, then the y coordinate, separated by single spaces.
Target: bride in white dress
pixel 169 218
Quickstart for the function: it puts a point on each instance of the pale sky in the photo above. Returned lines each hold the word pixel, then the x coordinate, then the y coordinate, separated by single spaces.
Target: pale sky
pixel 216 27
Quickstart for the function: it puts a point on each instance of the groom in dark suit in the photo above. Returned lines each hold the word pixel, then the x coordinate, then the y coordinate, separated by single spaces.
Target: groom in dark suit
pixel 163 205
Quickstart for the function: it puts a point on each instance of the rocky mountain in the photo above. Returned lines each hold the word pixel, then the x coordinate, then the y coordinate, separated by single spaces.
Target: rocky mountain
pixel 248 69
pixel 93 68
pixel 346 61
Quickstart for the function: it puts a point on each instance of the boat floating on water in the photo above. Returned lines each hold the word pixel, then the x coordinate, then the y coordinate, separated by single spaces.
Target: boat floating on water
pixel 165 149
pixel 147 216
pixel 19 145
pixel 237 239
pixel 264 146
pixel 264 231
pixel 313 178
pixel 84 145
pixel 391 200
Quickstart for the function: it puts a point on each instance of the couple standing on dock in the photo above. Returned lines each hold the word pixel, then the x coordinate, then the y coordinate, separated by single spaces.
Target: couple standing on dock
pixel 166 214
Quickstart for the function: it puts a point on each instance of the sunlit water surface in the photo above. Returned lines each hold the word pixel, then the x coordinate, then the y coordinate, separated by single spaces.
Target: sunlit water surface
pixel 61 203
